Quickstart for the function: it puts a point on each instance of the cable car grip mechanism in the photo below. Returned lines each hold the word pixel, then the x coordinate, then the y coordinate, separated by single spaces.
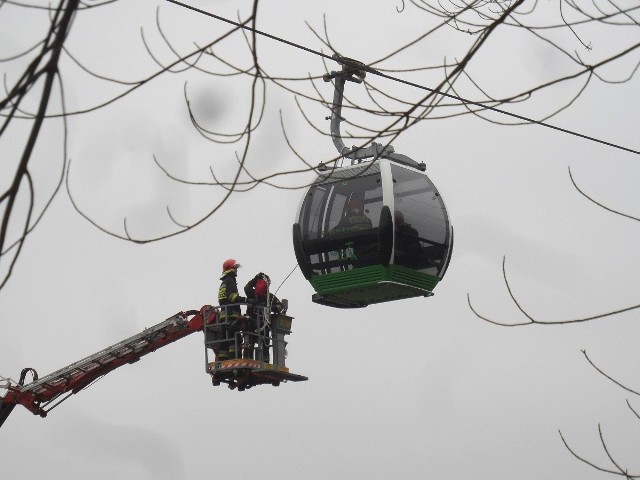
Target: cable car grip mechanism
pixel 355 71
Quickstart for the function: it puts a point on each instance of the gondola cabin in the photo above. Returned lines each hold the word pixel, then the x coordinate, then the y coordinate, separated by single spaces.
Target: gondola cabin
pixel 372 232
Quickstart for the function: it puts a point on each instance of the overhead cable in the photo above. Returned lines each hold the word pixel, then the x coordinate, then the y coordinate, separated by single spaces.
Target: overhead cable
pixel 406 82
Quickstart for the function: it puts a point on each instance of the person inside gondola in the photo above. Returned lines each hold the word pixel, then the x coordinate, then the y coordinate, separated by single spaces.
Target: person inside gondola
pixel 354 218
pixel 356 250
pixel 408 251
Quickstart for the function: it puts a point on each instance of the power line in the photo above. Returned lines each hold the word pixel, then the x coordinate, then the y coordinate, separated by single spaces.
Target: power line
pixel 406 82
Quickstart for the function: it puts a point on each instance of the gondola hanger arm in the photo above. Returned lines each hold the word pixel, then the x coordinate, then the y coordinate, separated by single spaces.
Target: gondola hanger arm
pixel 355 71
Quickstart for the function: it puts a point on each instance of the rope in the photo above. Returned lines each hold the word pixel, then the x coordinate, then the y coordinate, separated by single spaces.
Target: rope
pixel 286 278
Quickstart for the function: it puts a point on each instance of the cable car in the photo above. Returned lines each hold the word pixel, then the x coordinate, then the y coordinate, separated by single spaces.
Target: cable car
pixel 373 231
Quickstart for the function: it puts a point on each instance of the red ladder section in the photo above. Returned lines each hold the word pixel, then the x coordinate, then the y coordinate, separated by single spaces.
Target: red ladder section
pixel 73 378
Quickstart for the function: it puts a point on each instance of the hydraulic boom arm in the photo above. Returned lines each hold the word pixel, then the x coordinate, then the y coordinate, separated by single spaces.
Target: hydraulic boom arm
pixel 37 395
pixel 245 370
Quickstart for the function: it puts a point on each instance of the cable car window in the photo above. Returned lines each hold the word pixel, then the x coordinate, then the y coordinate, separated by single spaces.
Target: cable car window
pixel 421 224
pixel 311 218
pixel 339 220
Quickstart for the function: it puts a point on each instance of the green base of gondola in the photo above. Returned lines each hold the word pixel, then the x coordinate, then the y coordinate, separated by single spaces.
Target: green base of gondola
pixel 373 284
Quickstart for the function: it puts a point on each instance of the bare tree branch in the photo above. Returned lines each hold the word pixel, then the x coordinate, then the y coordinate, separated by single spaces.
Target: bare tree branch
pixel 591 199
pixel 533 321
pixel 382 111
pixel 599 370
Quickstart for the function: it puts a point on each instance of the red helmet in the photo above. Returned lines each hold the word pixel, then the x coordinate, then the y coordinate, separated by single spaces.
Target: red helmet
pixel 261 288
pixel 354 205
pixel 229 264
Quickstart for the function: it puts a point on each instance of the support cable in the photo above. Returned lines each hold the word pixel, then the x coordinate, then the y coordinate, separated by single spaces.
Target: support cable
pixel 406 82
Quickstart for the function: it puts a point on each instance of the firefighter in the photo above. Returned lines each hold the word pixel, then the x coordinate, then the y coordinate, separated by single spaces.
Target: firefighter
pixel 230 316
pixel 257 292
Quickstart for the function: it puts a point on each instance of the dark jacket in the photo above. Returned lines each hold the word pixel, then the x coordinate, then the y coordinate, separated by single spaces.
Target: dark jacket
pixel 228 293
pixel 352 222
pixel 249 291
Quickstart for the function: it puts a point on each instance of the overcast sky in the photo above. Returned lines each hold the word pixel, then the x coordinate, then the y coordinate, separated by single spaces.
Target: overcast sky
pixel 415 389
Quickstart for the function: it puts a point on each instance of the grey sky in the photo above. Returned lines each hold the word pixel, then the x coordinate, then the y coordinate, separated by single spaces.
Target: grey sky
pixel 414 389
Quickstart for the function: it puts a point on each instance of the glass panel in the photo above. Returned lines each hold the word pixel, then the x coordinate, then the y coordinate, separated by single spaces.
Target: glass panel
pixel 421 223
pixel 339 220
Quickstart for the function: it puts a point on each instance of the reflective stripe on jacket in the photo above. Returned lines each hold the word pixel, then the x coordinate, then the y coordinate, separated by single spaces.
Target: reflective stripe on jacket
pixel 228 293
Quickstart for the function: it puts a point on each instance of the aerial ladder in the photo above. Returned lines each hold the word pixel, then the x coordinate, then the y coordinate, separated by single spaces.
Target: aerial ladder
pixel 252 366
